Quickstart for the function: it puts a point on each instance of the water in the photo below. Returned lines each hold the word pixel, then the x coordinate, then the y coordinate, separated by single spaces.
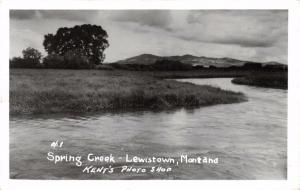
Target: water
pixel 249 139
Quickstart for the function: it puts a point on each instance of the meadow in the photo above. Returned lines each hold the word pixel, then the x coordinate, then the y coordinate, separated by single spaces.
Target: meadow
pixel 39 91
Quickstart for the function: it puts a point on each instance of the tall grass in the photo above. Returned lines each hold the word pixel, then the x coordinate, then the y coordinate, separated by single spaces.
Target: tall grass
pixel 268 80
pixel 58 91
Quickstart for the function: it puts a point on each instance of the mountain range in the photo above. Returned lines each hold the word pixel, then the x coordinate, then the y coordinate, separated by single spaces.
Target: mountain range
pixel 148 59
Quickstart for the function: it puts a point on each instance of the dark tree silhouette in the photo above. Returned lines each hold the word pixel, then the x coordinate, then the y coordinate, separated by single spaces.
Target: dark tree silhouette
pixel 87 40
pixel 31 59
pixel 32 54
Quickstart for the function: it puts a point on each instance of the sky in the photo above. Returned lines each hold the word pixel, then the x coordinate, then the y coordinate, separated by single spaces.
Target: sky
pixel 254 35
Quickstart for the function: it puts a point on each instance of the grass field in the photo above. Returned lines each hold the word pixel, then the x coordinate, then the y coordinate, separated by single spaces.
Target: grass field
pixel 268 80
pixel 35 91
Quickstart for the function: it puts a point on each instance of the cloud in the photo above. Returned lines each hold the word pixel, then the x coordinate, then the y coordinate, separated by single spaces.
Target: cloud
pixel 152 18
pixel 257 35
pixel 29 39
pixel 244 28
pixel 246 42
pixel 241 42
pixel 22 14
pixel 70 15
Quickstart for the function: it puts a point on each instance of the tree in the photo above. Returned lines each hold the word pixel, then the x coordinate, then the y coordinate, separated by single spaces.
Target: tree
pixel 31 59
pixel 87 40
pixel 32 54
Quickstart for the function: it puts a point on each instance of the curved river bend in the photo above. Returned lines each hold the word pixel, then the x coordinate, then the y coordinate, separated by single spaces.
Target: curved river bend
pixel 249 138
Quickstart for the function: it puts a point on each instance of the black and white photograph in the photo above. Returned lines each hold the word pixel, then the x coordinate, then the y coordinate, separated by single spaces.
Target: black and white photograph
pixel 148 94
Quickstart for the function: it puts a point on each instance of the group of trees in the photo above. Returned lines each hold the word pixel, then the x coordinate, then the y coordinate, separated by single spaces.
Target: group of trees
pixel 79 47
pixel 31 59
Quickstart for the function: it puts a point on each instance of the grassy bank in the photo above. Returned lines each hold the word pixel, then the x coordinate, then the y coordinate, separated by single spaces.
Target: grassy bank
pixel 59 91
pixel 196 74
pixel 267 80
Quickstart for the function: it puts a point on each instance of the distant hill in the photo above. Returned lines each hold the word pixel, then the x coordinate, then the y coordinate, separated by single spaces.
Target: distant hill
pixel 144 59
pixel 148 59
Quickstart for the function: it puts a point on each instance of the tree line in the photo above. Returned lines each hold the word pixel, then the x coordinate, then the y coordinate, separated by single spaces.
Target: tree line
pixel 78 47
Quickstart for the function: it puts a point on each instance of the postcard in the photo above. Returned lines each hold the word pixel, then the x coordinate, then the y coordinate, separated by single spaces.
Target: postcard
pixel 187 95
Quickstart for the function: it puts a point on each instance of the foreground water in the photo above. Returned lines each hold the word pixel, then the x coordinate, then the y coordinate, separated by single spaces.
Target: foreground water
pixel 249 139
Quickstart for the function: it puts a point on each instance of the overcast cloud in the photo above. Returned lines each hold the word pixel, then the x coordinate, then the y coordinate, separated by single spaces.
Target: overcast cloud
pixel 256 35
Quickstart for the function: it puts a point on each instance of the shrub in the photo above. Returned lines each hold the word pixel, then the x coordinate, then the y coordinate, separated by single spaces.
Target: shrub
pixel 53 61
pixel 170 65
pixel 71 60
pixel 74 60
pixel 16 62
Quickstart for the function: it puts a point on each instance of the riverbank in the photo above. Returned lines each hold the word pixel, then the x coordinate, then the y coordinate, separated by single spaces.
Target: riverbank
pixel 267 80
pixel 228 132
pixel 76 91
